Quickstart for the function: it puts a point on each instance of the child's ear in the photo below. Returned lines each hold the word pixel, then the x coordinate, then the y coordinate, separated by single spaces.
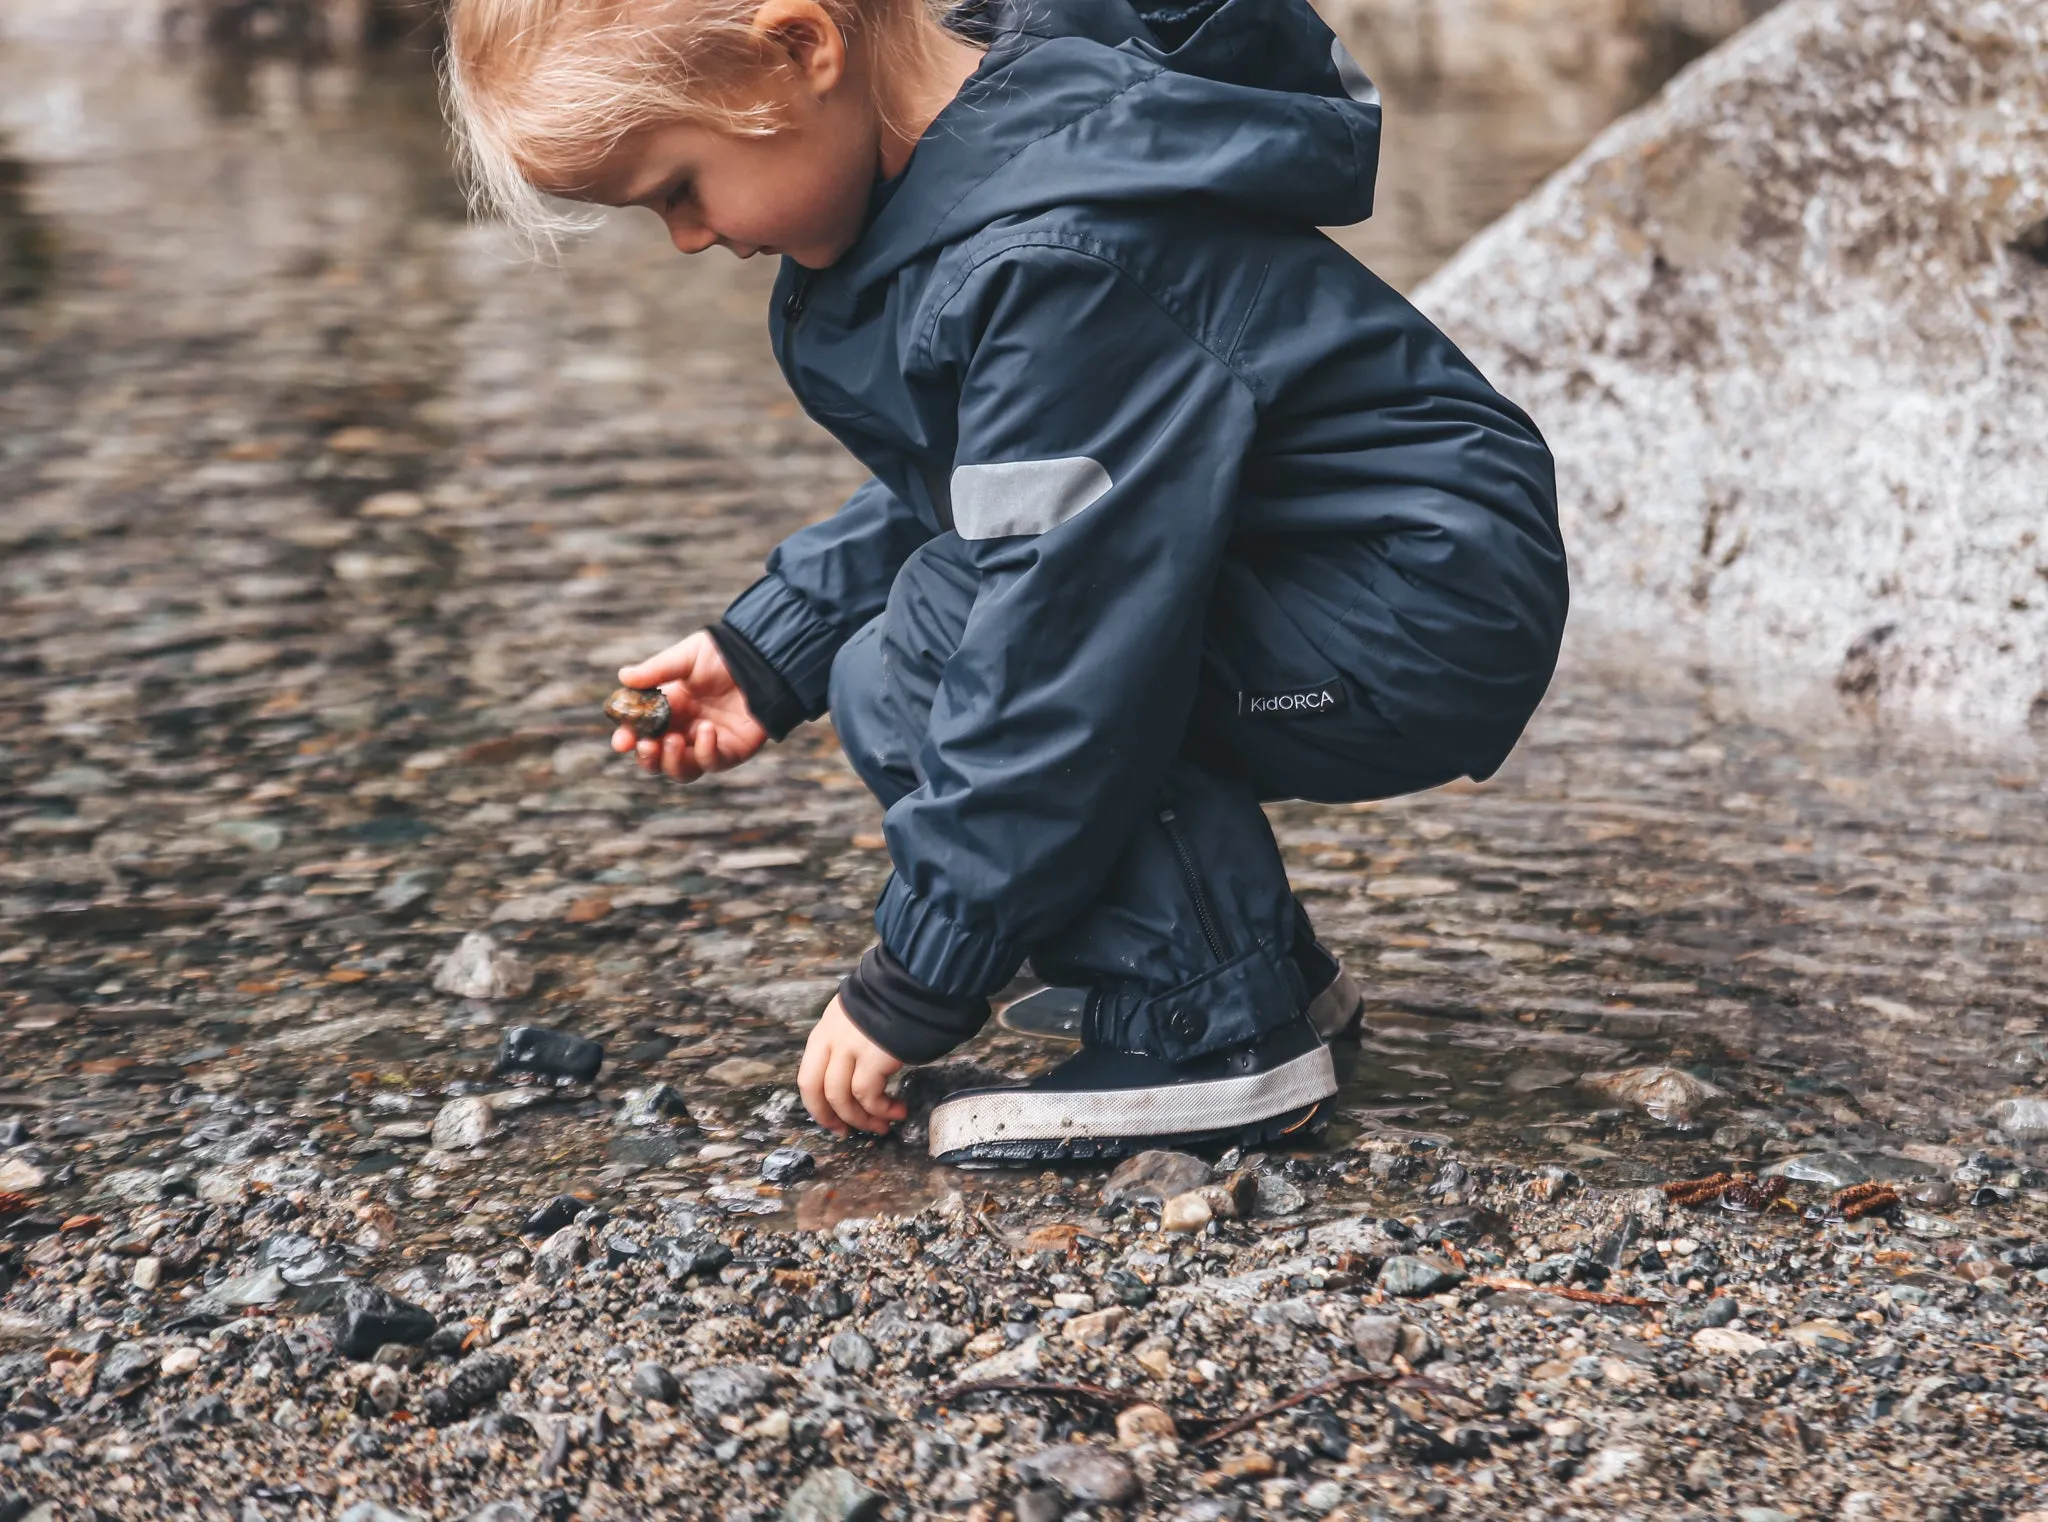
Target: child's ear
pixel 805 34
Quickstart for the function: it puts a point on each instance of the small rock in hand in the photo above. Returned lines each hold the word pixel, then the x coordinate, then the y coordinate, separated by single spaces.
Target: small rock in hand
pixel 642 710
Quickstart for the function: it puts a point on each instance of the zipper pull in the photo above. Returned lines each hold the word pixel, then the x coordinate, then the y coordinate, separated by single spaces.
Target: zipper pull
pixel 799 294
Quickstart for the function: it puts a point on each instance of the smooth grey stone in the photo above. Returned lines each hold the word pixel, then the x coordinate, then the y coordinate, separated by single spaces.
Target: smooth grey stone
pixel 852 1353
pixel 1084 1473
pixel 1153 1178
pixel 832 1495
pixel 1406 1275
pixel 727 1387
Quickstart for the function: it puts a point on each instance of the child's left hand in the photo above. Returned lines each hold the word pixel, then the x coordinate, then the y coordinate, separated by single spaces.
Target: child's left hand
pixel 843 1074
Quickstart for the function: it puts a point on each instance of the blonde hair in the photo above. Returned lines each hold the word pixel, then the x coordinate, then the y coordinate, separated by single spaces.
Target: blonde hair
pixel 546 87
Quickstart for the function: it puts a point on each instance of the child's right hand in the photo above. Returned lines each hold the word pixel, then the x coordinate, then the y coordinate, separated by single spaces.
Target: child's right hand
pixel 710 727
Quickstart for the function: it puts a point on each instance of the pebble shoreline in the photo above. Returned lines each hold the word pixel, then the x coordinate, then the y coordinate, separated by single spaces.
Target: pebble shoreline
pixel 618 1355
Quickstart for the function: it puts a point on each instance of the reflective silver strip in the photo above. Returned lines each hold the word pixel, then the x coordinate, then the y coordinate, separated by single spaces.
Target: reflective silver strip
pixel 1357 84
pixel 1023 496
pixel 1009 1115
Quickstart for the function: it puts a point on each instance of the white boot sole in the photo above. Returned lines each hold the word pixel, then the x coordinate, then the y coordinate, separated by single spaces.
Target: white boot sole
pixel 1022 1115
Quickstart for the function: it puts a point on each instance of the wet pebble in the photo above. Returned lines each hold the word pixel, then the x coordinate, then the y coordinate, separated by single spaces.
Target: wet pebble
pixel 477 1380
pixel 1084 1473
pixel 653 1381
pixel 1411 1276
pixel 1154 1177
pixel 549 1054
pixel 851 1353
pixel 657 1105
pixel 644 711
pixel 2024 1120
pixel 726 1388
pixel 832 1494
pixel 463 1123
pixel 561 1254
pixel 479 968
pixel 1186 1213
pixel 1665 1094
pixel 372 1316
pixel 785 1165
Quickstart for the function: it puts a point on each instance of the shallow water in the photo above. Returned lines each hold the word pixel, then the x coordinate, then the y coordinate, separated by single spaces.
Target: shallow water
pixel 323 521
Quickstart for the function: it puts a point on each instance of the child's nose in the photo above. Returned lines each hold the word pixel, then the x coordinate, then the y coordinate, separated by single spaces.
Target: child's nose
pixel 690 237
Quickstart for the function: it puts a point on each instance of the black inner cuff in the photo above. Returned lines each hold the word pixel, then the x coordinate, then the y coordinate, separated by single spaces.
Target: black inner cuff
pixel 900 1015
pixel 773 701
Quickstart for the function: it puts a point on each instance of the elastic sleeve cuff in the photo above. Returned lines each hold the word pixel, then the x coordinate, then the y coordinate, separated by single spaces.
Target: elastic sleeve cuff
pixel 791 639
pixel 937 949
pixel 900 1015
pixel 769 698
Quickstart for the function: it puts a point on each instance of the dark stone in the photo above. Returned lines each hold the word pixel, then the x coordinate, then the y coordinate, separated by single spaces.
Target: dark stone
pixel 652 1381
pixel 549 1053
pixel 1720 1312
pixel 550 1218
pixel 371 1317
pixel 207 1411
pixel 785 1165
pixel 477 1380
pixel 127 1369
pixel 447 1340
pixel 725 1388
pixel 697 1255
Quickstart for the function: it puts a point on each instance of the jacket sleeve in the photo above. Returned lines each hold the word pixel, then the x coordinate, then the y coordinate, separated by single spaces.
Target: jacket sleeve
pixel 823 583
pixel 1093 487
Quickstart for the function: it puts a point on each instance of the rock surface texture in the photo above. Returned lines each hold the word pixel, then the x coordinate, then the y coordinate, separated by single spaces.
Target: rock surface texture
pixel 1787 331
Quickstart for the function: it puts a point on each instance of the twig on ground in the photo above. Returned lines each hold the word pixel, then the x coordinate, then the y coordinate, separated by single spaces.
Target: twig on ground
pixel 1327 1387
pixel 1093 1393
pixel 1563 1292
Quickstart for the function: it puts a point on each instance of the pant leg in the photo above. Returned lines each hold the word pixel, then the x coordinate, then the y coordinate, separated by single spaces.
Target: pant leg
pixel 885 677
pixel 1187 946
pixel 1290 696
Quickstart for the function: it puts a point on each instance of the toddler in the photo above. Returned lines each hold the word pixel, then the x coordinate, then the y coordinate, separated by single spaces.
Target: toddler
pixel 1174 507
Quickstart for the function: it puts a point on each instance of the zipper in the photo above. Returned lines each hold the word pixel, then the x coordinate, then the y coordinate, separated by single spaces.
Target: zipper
pixel 1203 914
pixel 799 294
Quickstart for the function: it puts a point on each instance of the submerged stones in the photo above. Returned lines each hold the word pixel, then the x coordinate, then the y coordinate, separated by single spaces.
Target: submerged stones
pixel 1154 1177
pixel 1665 1094
pixel 658 1105
pixel 479 968
pixel 644 711
pixel 785 1165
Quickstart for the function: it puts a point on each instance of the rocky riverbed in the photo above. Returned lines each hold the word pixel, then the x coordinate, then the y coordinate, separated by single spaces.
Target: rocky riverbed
pixel 395 1090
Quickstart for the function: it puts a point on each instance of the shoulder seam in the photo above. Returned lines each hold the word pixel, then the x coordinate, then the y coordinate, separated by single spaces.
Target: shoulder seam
pixel 1092 249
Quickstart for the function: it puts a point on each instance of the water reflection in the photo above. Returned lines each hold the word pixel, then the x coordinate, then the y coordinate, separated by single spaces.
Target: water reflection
pixel 28 244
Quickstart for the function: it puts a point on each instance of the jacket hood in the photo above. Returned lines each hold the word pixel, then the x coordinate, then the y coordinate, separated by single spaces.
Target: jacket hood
pixel 1251 102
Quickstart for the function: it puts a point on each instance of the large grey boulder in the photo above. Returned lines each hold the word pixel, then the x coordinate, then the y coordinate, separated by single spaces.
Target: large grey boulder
pixel 1787 331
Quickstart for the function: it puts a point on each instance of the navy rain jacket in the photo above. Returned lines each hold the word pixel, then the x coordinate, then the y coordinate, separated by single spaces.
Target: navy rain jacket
pixel 1092 330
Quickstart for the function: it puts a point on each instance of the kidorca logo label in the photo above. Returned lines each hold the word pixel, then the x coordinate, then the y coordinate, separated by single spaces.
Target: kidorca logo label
pixel 1271 705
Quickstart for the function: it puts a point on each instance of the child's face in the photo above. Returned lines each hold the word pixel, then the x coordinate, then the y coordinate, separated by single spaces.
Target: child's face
pixel 802 190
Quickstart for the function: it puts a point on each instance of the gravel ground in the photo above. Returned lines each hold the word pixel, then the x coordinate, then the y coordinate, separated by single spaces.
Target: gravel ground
pixel 321 525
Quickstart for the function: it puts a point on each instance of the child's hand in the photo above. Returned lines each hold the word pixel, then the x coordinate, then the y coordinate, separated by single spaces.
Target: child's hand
pixel 710 727
pixel 842 1077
